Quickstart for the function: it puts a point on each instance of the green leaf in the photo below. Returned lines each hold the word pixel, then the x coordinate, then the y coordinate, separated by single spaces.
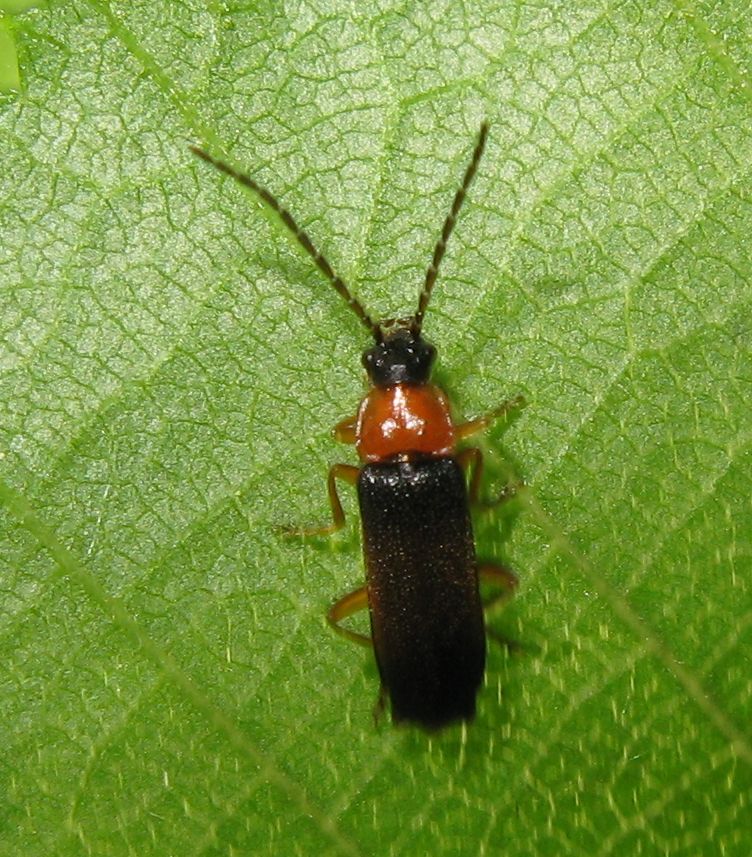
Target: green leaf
pixel 172 363
pixel 15 7
pixel 9 77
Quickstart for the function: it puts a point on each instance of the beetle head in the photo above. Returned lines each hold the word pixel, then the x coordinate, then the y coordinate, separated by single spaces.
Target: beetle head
pixel 400 356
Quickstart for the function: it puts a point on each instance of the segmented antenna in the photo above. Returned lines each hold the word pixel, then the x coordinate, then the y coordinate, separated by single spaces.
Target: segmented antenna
pixel 300 236
pixel 439 250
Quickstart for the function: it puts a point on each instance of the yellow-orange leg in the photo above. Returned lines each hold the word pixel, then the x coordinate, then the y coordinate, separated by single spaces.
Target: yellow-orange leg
pixel 357 600
pixel 471 427
pixel 345 429
pixel 345 472
pixel 344 432
pixel 343 608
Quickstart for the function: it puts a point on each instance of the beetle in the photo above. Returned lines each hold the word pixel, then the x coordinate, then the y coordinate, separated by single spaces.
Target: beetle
pixel 422 574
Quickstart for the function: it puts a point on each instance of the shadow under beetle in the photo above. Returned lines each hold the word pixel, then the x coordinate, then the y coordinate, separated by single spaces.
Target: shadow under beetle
pixel 422 575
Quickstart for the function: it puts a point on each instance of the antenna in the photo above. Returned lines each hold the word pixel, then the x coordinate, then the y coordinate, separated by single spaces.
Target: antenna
pixel 300 236
pixel 440 248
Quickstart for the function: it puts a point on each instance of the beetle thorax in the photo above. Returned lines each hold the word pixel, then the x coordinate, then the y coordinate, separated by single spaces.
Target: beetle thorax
pixel 402 419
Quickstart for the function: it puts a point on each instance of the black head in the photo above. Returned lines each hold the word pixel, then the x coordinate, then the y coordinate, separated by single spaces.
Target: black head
pixel 401 356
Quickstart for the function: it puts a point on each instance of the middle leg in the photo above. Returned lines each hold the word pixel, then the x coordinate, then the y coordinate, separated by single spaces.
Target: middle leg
pixel 345 472
pixel 471 460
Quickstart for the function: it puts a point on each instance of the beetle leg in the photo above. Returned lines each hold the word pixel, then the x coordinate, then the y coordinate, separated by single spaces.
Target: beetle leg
pixel 344 431
pixel 499 576
pixel 471 460
pixel 471 427
pixel 346 606
pixel 345 472
pixel 506 583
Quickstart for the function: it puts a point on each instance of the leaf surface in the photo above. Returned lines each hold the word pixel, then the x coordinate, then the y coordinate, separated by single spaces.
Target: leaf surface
pixel 172 365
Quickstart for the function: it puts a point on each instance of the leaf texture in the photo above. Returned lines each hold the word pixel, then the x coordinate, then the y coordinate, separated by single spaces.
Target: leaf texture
pixel 172 364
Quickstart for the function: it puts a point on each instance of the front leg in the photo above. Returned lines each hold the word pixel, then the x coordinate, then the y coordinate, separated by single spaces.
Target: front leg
pixel 345 430
pixel 471 427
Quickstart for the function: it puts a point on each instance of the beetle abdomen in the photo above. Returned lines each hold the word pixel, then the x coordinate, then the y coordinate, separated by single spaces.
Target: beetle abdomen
pixel 426 614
